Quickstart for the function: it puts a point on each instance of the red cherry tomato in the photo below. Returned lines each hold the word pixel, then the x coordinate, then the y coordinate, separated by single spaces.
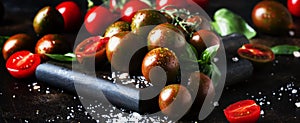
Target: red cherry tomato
pixel 130 8
pixel 71 13
pixel 245 111
pixel 202 3
pixel 256 53
pixel 97 19
pixel 22 64
pixel 294 7
pixel 177 3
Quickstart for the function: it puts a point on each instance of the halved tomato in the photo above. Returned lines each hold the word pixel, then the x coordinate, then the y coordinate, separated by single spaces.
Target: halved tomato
pixel 22 64
pixel 256 53
pixel 244 111
pixel 92 48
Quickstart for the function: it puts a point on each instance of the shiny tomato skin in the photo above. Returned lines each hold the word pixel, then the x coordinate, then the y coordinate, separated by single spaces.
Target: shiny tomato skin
pixel 256 52
pixel 201 3
pixel 244 111
pixel 97 19
pixel 22 64
pixel 71 13
pixel 51 44
pixel 271 17
pixel 177 3
pixel 92 48
pixel 173 98
pixel 130 8
pixel 17 42
pixel 294 7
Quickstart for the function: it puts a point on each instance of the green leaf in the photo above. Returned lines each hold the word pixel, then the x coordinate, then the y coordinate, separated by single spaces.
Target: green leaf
pixel 227 22
pixel 208 54
pixel 215 74
pixel 205 61
pixel 68 57
pixel 285 49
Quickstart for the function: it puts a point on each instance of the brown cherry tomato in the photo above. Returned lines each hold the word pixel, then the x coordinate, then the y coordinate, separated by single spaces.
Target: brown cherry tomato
pixel 174 99
pixel 272 17
pixel 125 52
pixel 51 44
pixel 203 39
pixel 163 58
pixel 16 43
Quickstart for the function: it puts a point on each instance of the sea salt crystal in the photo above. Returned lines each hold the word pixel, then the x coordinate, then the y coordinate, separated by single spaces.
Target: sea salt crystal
pixel 35 87
pixel 296 54
pixel 297 104
pixel 262 112
pixel 261 103
pixel 216 104
pixel 235 59
pixel 124 76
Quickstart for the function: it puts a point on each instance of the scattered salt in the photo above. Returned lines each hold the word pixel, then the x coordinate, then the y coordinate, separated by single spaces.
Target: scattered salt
pixel 35 87
pixel 235 59
pixel 216 104
pixel 296 54
pixel 262 112
pixel 297 104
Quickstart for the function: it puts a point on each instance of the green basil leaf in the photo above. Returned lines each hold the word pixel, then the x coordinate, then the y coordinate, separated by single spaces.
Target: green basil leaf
pixel 208 54
pixel 227 22
pixel 285 49
pixel 215 74
pixel 69 57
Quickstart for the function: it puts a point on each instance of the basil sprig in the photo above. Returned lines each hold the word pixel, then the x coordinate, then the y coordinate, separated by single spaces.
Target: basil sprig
pixel 285 49
pixel 68 57
pixel 205 61
pixel 227 22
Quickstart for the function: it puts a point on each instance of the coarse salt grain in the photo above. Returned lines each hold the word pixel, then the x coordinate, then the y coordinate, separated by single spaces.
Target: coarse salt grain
pixel 296 54
pixel 297 104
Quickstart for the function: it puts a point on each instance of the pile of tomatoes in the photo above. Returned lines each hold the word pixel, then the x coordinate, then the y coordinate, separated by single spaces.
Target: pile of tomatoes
pixel 147 39
pixel 153 38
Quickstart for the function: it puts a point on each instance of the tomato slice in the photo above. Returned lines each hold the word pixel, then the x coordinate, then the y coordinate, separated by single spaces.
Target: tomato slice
pixel 22 64
pixel 256 52
pixel 244 111
pixel 92 47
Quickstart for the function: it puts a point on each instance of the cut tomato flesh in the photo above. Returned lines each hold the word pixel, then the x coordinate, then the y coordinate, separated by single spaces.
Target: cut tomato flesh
pixel 245 111
pixel 22 64
pixel 25 61
pixel 95 45
pixel 256 52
